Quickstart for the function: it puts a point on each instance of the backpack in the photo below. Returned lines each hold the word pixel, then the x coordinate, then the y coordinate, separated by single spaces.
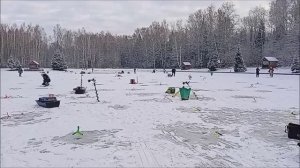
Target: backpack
pixel 293 131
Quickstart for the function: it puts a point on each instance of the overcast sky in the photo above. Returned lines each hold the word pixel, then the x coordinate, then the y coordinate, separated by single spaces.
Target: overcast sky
pixel 118 17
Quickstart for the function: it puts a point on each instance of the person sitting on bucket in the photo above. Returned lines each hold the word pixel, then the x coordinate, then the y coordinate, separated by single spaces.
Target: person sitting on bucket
pixel 46 79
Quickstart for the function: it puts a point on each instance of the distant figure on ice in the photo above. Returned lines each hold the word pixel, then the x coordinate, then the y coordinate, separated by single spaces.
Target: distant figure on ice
pixel 173 72
pixel 271 71
pixel 190 77
pixel 46 79
pixel 257 72
pixel 20 71
pixel 134 70
pixel 165 71
pixel 153 71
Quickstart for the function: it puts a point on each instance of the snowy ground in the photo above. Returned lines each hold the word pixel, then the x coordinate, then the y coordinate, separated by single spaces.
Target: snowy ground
pixel 141 126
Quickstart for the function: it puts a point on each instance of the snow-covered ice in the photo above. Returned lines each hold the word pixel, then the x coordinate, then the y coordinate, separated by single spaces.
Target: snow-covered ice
pixel 238 120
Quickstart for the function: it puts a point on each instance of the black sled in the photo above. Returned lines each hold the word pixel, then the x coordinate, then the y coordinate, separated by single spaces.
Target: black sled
pixel 48 102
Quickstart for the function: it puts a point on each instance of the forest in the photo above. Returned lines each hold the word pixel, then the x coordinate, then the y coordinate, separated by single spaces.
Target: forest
pixel 212 32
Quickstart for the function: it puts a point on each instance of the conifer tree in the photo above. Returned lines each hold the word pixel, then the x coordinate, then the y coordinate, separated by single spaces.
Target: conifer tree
pixel 296 65
pixel 239 65
pixel 58 62
pixel 11 63
pixel 213 62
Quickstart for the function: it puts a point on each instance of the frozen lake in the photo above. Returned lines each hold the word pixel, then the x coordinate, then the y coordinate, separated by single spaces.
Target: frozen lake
pixel 235 120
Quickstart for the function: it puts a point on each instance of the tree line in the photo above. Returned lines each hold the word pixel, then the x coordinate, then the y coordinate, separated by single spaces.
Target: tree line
pixel 206 34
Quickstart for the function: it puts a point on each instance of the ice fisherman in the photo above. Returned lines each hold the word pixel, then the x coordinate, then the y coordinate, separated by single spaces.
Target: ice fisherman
pixel 134 70
pixel 271 71
pixel 257 72
pixel 173 71
pixel 20 71
pixel 46 79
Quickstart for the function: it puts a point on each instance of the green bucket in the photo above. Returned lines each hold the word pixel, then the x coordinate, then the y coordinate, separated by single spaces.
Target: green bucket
pixel 185 93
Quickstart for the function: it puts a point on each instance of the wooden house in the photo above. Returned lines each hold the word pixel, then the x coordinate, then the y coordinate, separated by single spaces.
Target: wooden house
pixel 33 65
pixel 186 65
pixel 269 62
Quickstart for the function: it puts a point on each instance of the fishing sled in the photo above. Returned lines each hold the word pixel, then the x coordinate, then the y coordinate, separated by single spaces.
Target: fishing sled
pixel 48 102
pixel 79 90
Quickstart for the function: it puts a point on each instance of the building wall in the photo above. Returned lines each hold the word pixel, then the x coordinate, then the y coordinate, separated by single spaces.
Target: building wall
pixel 186 67
pixel 270 63
pixel 273 64
pixel 33 66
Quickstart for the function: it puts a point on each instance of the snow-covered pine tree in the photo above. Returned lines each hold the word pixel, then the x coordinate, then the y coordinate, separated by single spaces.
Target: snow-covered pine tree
pixel 239 65
pixel 58 62
pixel 17 63
pixel 213 62
pixel 296 65
pixel 11 63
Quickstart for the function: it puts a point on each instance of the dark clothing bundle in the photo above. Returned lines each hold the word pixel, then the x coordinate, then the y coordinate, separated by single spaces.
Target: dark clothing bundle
pixel 293 131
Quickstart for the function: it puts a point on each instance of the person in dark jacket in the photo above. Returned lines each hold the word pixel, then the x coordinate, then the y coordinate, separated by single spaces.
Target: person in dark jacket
pixel 46 79
pixel 20 71
pixel 257 72
pixel 173 71
pixel 271 71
